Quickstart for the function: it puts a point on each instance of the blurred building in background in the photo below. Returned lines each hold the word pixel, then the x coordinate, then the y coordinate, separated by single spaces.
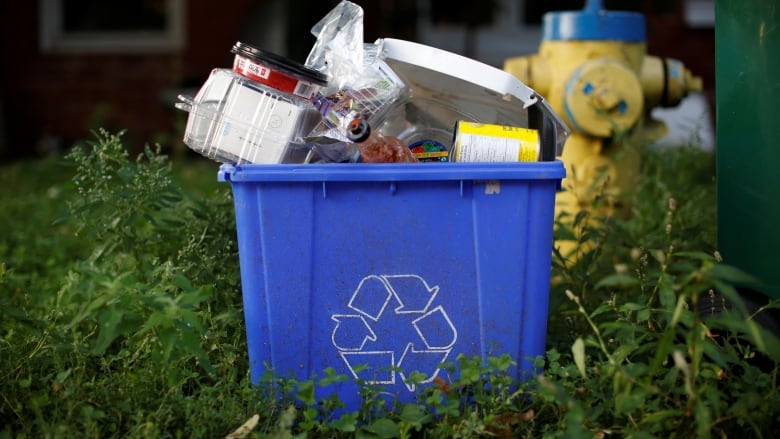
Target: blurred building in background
pixel 71 66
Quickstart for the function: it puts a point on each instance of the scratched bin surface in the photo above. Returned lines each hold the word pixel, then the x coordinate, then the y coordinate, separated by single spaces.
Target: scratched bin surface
pixel 381 270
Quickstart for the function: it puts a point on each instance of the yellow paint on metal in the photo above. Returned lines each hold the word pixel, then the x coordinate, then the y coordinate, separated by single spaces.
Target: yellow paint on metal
pixel 659 73
pixel 604 91
pixel 603 97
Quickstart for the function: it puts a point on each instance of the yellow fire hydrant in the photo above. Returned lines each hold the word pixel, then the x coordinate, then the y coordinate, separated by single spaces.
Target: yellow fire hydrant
pixel 593 69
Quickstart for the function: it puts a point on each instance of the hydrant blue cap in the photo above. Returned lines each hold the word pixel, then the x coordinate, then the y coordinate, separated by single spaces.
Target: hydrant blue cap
pixel 594 23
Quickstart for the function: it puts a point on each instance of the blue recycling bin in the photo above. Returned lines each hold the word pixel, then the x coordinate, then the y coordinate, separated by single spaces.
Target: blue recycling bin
pixel 381 270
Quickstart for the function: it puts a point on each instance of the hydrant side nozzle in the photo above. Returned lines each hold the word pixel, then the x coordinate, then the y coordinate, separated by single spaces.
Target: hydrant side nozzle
pixel 653 80
pixel 666 81
pixel 695 83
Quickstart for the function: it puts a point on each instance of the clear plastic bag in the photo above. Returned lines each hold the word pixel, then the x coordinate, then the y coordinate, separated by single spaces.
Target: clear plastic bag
pixel 360 84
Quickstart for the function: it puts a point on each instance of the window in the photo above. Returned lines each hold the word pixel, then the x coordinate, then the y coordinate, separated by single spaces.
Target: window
pixel 700 14
pixel 111 26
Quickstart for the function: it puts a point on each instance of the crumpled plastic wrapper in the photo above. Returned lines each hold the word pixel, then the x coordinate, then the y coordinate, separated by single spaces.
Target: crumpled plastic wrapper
pixel 338 51
pixel 360 85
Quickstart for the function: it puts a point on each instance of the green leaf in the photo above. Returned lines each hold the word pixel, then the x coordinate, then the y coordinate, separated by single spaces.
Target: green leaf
pixel 14 313
pixel 565 234
pixel 183 283
pixel 730 274
pixel 191 342
pixel 717 354
pixel 306 392
pixel 500 363
pixel 384 428
pixel 618 281
pixel 660 416
pixel 166 343
pixel 623 351
pixel 664 349
pixel 764 340
pixel 627 402
pixel 601 309
pixel 469 373
pixel 347 423
pixel 191 320
pixel 578 351
pixel 643 315
pixel 62 376
pixel 703 415
pixel 151 220
pixel 332 377
pixel 156 319
pixel 89 310
pixel 172 197
pixel 108 324
pixel 631 306
pixel 666 294
pixel 415 415
pixel 195 296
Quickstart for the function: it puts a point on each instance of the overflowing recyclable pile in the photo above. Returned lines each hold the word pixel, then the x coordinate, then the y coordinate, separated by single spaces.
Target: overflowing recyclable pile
pixel 381 102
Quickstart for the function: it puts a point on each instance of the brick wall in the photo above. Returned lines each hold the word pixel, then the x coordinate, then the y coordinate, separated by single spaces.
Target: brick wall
pixel 669 36
pixel 60 97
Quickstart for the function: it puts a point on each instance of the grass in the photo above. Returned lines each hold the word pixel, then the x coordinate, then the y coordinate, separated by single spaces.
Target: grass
pixel 120 315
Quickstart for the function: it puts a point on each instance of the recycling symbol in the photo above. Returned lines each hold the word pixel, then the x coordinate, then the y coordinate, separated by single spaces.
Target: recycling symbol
pixel 393 328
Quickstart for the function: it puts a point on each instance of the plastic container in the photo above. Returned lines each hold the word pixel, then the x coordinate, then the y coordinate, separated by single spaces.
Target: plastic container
pixel 234 119
pixel 397 267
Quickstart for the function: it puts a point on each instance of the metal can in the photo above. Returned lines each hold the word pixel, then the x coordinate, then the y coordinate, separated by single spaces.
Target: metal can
pixel 481 142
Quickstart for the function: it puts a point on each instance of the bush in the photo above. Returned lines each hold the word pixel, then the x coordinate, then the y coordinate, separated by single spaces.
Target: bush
pixel 120 314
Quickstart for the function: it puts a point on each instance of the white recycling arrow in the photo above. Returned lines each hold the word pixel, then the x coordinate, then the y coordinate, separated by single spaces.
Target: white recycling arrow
pixel 351 332
pixel 430 328
pixel 423 359
pixel 374 367
pixel 371 297
pixel 411 292
pixel 414 296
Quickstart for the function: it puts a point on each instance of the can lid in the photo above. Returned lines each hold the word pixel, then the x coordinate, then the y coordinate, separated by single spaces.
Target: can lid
pixel 279 62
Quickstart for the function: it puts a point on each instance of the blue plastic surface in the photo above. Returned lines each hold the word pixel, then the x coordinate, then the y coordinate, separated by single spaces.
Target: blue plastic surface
pixel 594 24
pixel 395 267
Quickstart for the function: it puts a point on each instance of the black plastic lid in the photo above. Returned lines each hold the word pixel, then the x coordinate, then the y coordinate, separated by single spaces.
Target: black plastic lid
pixel 279 62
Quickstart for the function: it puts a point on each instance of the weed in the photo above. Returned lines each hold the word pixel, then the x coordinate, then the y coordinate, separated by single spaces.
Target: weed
pixel 120 315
